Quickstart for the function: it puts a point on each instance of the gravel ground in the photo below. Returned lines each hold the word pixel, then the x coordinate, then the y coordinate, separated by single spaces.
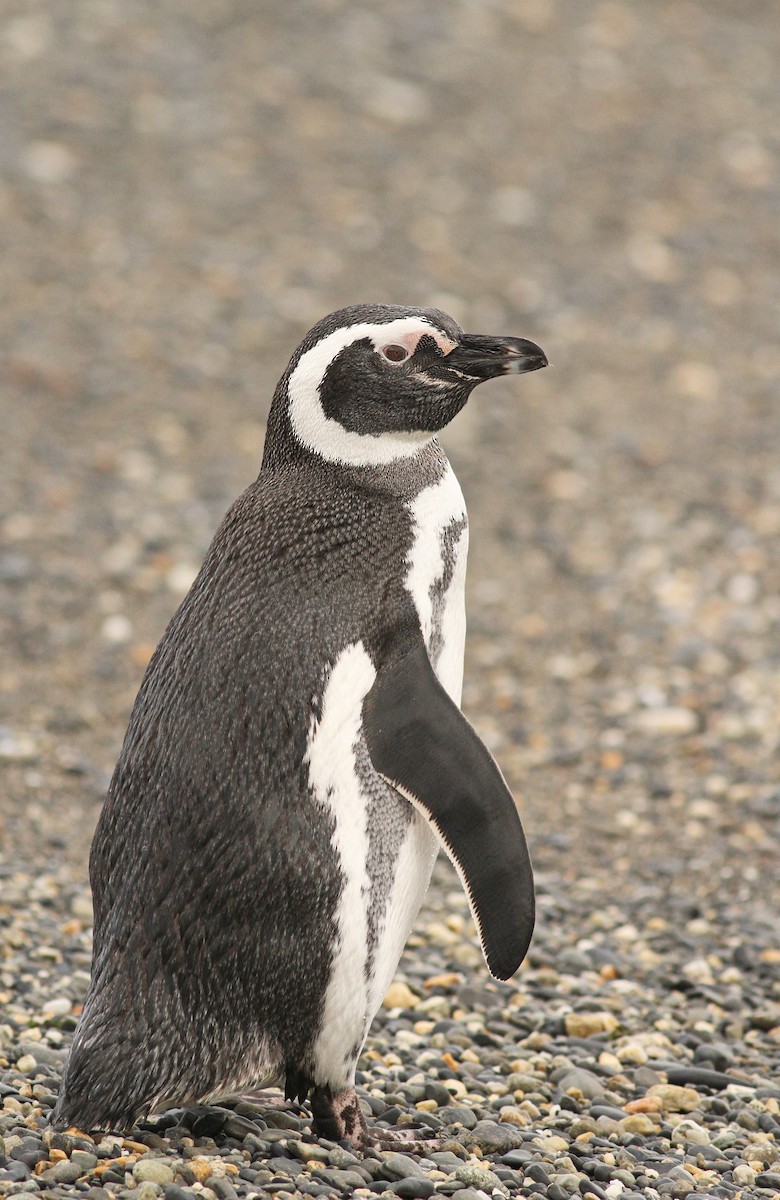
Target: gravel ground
pixel 185 189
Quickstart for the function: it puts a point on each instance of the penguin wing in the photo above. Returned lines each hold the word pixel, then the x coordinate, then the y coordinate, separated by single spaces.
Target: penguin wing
pixel 422 745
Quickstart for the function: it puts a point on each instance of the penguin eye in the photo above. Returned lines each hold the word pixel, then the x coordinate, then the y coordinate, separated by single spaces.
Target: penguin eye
pixel 395 353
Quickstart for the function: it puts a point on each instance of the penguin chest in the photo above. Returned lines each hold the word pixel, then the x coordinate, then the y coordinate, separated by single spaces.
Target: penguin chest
pixel 436 576
pixel 385 852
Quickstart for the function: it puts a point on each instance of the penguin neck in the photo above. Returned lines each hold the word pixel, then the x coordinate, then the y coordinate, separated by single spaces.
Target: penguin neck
pixel 403 476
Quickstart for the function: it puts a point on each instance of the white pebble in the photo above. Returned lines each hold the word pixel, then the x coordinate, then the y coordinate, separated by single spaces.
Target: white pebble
pixel 397 100
pixel 742 588
pixel 689 1132
pixel 116 629
pixel 673 719
pixel 180 577
pixel 513 206
pixel 48 162
pixel 57 1007
pixel 18 747
pixel 28 35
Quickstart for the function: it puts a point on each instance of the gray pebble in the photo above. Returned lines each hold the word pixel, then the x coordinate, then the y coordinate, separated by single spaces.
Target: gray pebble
pixel 479 1177
pixel 584 1081
pixel 457 1115
pixel 493 1137
pixel 401 1166
pixel 66 1171
pixel 412 1189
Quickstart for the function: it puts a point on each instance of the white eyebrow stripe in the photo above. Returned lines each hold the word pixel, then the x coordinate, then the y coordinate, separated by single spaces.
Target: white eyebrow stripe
pixel 324 435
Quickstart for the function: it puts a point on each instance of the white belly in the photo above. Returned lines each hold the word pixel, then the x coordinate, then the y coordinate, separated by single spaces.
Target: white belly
pixel 436 576
pixel 376 911
pixel 376 907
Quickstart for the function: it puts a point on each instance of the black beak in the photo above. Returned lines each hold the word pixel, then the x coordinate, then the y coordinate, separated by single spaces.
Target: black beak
pixel 482 357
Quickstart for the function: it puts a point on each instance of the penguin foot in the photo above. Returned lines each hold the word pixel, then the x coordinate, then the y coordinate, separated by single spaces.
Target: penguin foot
pixel 403 1140
pixel 339 1117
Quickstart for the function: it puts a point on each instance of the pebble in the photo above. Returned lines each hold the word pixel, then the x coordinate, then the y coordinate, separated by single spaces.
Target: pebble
pixel 675 1098
pixel 623 589
pixel 414 1187
pixel 479 1177
pixel 588 1024
pixel 673 720
pixel 153 1170
pixel 400 1166
pixel 493 1138
pixel 400 995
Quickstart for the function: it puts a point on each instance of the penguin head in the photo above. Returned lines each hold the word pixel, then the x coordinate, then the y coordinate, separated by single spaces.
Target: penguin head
pixel 374 383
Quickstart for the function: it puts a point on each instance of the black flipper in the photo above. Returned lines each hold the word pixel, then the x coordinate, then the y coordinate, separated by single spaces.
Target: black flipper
pixel 420 742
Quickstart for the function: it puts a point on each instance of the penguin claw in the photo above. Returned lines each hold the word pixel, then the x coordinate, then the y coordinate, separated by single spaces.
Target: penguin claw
pixel 403 1139
pixel 339 1117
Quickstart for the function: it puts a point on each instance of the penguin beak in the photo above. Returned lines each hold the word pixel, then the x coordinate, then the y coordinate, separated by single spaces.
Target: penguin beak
pixel 482 357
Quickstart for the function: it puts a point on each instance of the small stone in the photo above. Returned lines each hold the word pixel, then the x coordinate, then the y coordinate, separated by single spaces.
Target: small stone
pixel 580 1080
pixel 587 1024
pixel 689 1131
pixel 479 1177
pixel 401 1166
pixel 308 1151
pixel 517 1158
pixel 513 1115
pixel 672 720
pixel 153 1170
pixel 513 206
pixel 698 970
pixel 457 1114
pixel 116 629
pixel 397 101
pixel 46 1055
pixel 399 995
pixel 632 1052
pixel 48 162
pixel 26 1063
pixel 66 1171
pixel 85 1160
pixel 675 1098
pixel 222 1188
pixel 645 1104
pixel 769 1179
pixel 146 1191
pixel 57 1007
pixel 344 1180
pixel 494 1138
pixel 414 1189
pixel 638 1123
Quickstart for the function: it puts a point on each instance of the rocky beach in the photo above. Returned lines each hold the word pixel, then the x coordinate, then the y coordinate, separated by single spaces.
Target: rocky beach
pixel 185 189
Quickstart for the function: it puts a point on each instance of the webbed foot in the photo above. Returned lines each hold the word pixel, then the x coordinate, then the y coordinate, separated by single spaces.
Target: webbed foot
pixel 339 1117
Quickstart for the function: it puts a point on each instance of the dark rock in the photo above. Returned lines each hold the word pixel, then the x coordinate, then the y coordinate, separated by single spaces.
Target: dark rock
pixel 401 1166
pixel 410 1189
pixel 455 1114
pixel 769 1179
pixel 517 1158
pixel 222 1187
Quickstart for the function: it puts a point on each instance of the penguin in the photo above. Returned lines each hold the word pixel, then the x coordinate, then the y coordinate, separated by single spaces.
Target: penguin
pixel 296 753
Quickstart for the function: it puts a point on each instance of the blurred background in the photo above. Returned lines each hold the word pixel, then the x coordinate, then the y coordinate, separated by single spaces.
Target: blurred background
pixel 187 188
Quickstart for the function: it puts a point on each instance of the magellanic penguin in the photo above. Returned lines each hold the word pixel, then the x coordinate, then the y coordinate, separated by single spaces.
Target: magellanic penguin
pixel 296 753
